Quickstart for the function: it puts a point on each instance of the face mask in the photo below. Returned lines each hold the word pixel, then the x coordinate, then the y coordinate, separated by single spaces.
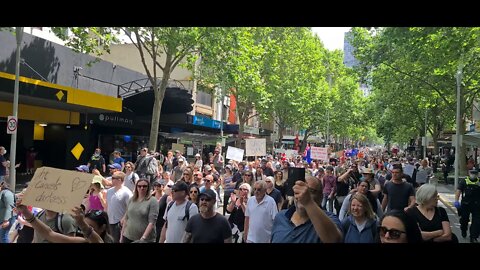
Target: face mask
pixel 472 176
pixel 4 152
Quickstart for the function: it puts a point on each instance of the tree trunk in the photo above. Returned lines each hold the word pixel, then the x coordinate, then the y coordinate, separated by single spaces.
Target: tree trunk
pixel 157 107
pixel 303 145
pixel 280 135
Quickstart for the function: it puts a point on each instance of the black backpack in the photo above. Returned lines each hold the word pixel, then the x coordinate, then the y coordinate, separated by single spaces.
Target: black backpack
pixel 187 211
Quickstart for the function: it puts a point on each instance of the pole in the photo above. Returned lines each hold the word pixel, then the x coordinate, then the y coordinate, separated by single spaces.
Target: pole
pixel 13 142
pixel 328 127
pixel 425 142
pixel 458 124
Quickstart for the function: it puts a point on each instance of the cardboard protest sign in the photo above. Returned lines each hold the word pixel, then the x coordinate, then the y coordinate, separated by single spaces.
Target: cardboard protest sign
pixel 178 146
pixel 235 153
pixel 57 190
pixel 256 147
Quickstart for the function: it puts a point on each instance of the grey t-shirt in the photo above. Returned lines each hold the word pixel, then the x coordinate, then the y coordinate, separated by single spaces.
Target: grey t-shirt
pixel 139 215
pixel 67 226
pixel 176 221
pixel 117 203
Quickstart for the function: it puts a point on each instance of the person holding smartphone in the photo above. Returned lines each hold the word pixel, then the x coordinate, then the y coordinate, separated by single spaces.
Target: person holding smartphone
pixel 305 221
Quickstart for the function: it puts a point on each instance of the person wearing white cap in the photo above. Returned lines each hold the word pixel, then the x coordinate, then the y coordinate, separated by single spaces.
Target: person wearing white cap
pixel 198 161
pixel 178 170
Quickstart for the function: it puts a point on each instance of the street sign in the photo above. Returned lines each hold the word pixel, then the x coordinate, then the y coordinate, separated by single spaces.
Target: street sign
pixel 12 124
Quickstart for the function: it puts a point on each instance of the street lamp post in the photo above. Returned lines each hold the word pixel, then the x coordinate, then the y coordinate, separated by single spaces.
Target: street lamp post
pixel 458 125
pixel 13 142
pixel 425 142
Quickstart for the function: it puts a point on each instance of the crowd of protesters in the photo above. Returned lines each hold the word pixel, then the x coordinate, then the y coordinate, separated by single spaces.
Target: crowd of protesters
pixel 167 199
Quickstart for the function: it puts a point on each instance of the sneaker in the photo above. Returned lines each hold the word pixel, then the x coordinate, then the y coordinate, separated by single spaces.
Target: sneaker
pixel 473 240
pixel 464 234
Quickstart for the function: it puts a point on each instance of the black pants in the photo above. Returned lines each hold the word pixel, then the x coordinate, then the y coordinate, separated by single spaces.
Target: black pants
pixel 115 230
pixel 464 213
pixel 226 197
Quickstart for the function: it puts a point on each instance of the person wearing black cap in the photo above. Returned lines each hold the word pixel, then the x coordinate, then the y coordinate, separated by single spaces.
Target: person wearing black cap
pixel 470 190
pixel 177 214
pixel 209 226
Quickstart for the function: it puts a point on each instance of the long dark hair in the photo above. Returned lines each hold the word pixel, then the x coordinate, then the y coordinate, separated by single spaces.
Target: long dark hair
pixel 411 227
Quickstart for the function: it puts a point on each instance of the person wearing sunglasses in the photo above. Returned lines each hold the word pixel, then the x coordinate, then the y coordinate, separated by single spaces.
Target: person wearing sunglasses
pixel 398 227
pixel 209 226
pixel 94 226
pixel 259 215
pixel 236 208
pixel 193 192
pixel 141 216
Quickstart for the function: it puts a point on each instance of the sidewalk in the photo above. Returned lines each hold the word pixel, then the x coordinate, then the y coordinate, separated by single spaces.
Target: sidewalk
pixel 446 195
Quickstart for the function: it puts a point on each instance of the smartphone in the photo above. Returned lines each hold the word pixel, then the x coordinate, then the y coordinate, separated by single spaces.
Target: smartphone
pixel 294 175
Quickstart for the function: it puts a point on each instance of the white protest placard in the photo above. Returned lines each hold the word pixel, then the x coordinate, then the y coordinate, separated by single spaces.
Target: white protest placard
pixel 256 147
pixel 189 151
pixel 57 190
pixel 235 153
pixel 320 153
pixel 291 153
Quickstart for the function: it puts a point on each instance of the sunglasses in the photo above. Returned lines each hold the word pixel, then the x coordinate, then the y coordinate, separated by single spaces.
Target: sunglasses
pixel 247 175
pixel 208 181
pixel 393 233
pixel 193 192
pixel 244 189
pixel 205 199
pixel 142 186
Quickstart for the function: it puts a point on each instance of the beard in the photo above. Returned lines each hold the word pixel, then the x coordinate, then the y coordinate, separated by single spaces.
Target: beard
pixel 203 209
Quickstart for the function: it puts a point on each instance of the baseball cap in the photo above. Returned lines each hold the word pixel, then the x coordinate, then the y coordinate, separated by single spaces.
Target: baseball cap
pixel 208 168
pixel 473 171
pixel 179 186
pixel 82 168
pixel 208 193
pixel 197 155
pixel 229 167
pixel 181 160
pixel 115 166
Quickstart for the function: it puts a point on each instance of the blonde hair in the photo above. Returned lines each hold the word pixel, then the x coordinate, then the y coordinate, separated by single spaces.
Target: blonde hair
pixel 365 203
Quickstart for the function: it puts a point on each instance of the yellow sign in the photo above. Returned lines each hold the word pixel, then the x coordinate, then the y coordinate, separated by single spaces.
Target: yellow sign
pixel 77 151
pixel 57 190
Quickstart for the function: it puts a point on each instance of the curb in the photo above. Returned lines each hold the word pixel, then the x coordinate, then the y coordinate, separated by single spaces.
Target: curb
pixel 448 204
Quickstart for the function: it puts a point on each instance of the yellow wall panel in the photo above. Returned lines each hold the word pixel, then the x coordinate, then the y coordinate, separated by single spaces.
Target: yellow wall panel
pixel 40 114
pixel 38 132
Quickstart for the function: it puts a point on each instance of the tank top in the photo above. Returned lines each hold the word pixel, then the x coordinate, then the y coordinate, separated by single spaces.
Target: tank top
pixel 95 203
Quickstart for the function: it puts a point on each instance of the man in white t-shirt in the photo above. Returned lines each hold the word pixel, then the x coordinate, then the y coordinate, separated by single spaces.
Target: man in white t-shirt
pixel 259 215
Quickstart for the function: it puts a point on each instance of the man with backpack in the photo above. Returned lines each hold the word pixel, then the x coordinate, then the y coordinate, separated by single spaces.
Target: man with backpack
pixel 7 203
pixel 58 222
pixel 178 212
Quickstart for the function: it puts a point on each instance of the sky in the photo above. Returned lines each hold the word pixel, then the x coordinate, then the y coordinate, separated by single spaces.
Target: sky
pixel 332 37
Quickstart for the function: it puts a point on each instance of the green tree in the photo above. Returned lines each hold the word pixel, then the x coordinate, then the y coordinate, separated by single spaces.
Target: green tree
pixel 231 59
pixel 166 47
pixel 420 64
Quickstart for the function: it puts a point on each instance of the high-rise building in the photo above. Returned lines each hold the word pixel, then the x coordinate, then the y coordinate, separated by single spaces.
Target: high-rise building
pixel 350 61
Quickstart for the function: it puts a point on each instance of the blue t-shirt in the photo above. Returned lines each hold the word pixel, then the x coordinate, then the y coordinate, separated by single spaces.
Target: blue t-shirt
pixel 119 160
pixel 284 231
